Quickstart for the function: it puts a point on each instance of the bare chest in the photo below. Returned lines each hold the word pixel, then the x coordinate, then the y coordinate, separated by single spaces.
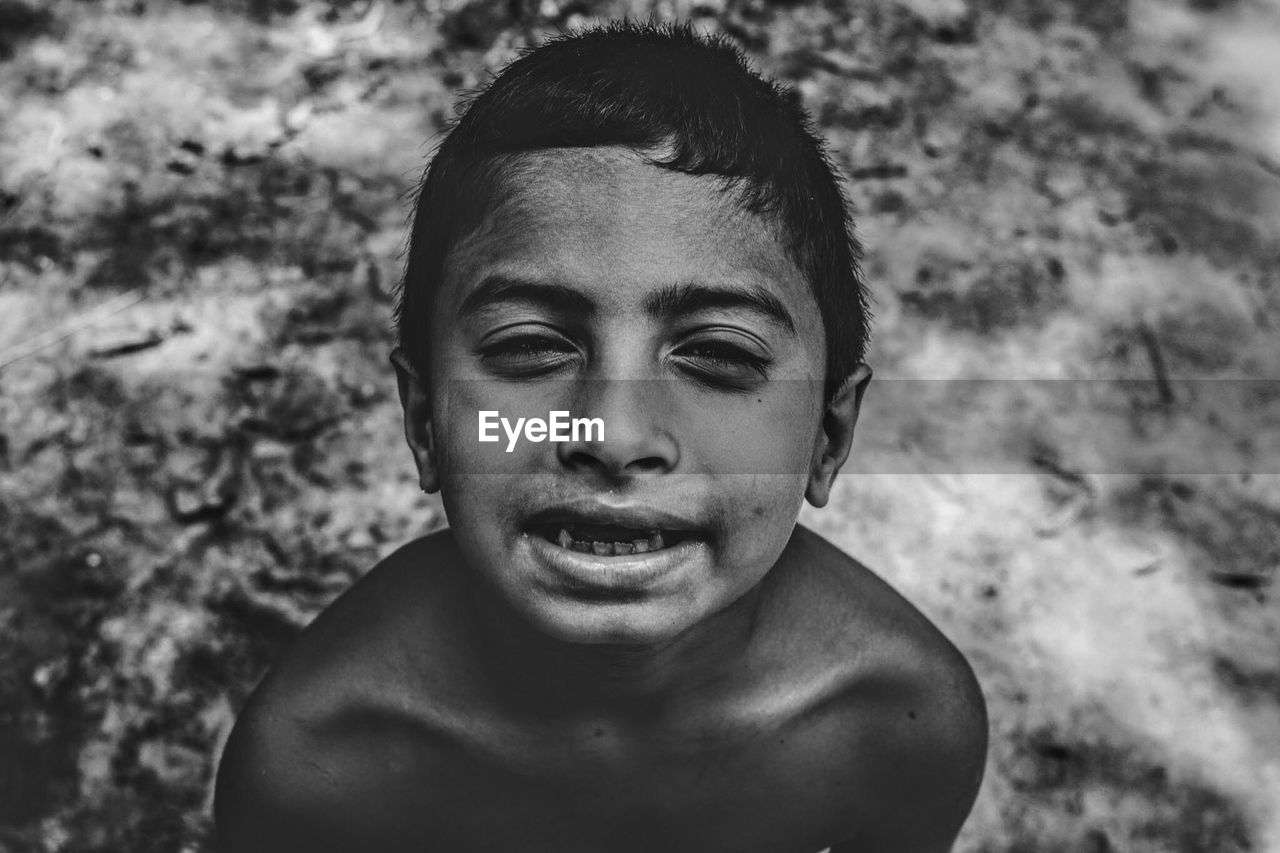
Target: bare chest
pixel 767 791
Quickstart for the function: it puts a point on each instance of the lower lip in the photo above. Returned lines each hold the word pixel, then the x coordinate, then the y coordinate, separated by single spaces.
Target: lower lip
pixel 623 573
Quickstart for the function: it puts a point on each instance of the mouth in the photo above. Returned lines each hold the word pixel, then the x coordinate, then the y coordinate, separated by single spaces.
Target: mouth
pixel 609 540
pixel 598 552
pixel 603 530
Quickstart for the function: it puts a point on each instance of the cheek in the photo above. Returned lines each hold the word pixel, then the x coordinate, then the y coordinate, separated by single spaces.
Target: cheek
pixel 768 435
pixel 469 499
pixel 480 482
pixel 462 453
pixel 759 515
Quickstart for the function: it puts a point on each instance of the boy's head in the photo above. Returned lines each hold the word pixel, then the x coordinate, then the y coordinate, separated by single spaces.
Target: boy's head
pixel 629 225
pixel 690 104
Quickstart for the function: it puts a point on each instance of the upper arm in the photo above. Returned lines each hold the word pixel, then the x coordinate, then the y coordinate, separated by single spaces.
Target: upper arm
pixel 928 761
pixel 302 769
pixel 273 793
pixel 254 802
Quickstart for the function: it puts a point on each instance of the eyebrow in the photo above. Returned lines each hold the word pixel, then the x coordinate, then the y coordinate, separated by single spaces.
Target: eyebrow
pixel 676 299
pixel 501 288
pixel 672 300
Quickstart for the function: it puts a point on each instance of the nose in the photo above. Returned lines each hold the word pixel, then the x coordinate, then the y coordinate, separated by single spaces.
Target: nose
pixel 635 441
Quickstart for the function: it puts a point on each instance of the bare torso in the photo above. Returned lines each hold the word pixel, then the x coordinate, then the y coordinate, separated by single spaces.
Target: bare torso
pixel 844 719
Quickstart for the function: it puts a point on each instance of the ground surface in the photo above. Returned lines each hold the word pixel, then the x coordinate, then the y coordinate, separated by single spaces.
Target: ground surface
pixel 201 214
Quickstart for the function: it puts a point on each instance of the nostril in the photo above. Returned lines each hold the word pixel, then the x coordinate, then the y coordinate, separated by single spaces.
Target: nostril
pixel 579 459
pixel 600 463
pixel 648 463
pixel 622 450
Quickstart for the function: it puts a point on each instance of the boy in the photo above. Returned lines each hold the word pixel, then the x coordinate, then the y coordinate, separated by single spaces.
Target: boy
pixel 623 642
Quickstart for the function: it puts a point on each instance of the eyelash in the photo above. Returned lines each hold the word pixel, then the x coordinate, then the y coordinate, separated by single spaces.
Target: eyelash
pixel 715 363
pixel 528 354
pixel 723 353
pixel 721 364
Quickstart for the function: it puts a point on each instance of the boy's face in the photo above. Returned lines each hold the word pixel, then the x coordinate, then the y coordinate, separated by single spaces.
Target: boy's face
pixel 612 289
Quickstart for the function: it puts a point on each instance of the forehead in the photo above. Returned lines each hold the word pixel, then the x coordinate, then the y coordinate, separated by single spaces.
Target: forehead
pixel 605 216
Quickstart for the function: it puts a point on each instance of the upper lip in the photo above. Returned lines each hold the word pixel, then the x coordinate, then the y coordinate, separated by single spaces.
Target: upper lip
pixel 636 516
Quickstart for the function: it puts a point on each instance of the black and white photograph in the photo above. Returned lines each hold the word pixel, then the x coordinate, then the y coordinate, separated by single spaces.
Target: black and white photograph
pixel 639 426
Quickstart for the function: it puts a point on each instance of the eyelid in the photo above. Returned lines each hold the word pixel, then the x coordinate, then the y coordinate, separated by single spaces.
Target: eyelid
pixel 533 327
pixel 527 355
pixel 734 374
pixel 753 343
pixel 743 360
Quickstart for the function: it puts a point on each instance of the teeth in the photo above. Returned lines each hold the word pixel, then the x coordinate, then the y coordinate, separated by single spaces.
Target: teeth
pixel 610 548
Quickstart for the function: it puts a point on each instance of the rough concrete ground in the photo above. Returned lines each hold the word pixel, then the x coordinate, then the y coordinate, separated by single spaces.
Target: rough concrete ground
pixel 202 206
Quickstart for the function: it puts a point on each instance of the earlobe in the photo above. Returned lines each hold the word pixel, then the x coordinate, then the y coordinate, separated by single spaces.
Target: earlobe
pixel 419 430
pixel 836 436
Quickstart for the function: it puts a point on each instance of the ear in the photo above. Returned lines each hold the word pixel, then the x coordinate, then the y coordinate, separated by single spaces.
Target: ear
pixel 838 420
pixel 419 431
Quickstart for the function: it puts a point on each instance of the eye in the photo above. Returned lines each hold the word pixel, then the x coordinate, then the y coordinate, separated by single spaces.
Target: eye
pixel 722 363
pixel 526 354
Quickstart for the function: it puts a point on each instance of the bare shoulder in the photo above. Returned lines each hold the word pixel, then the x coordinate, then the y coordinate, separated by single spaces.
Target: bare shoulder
pixel 909 709
pixel 277 778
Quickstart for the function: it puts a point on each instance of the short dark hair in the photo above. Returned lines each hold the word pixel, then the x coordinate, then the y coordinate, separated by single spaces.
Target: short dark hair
pixel 646 87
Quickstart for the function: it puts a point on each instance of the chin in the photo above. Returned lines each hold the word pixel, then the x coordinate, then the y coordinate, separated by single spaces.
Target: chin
pixel 612 623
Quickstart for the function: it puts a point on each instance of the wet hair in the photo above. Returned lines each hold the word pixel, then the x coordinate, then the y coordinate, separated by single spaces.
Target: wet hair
pixel 646 87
